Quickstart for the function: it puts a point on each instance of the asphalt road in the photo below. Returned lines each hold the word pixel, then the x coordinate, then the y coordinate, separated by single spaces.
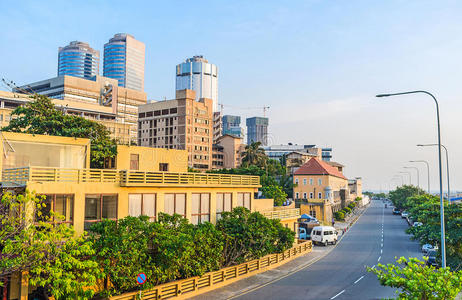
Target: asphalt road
pixel 378 236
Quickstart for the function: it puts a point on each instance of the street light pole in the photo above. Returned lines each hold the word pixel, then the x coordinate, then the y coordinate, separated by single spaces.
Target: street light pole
pixel 400 178
pixel 410 177
pixel 428 171
pixel 447 166
pixel 418 175
pixel 443 242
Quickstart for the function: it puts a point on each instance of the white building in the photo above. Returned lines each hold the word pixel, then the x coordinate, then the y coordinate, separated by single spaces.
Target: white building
pixel 198 74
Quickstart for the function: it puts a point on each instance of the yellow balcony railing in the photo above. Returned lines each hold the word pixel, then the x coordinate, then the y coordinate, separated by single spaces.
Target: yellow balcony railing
pixel 282 214
pixel 20 176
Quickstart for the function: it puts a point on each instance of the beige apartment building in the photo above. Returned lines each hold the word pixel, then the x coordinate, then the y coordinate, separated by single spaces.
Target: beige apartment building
pixel 99 99
pixel 231 149
pixel 182 123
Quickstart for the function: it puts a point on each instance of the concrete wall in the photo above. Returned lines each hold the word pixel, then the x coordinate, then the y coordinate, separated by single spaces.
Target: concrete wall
pixel 150 158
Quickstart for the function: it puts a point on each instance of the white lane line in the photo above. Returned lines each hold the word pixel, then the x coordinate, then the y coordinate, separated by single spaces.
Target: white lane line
pixel 381 245
pixel 359 279
pixel 381 251
pixel 338 295
pixel 380 257
pixel 373 267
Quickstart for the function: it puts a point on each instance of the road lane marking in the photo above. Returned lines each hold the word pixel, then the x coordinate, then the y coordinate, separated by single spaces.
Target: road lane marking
pixel 379 258
pixel 381 251
pixel 338 295
pixel 357 280
pixel 373 267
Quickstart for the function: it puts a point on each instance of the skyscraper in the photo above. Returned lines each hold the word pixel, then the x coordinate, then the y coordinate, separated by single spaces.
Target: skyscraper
pixel 78 59
pixel 198 74
pixel 257 130
pixel 124 61
pixel 232 125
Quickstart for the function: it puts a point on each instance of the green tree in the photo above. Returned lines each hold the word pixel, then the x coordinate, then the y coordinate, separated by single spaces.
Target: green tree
pixel 400 195
pixel 275 192
pixel 254 155
pixel 417 281
pixel 42 117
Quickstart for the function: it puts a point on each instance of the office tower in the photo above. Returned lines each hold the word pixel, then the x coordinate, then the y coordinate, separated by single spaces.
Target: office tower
pixel 257 130
pixel 182 123
pixel 199 75
pixel 78 59
pixel 124 61
pixel 232 125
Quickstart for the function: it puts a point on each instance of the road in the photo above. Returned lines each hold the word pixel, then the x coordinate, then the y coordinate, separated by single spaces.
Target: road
pixel 378 236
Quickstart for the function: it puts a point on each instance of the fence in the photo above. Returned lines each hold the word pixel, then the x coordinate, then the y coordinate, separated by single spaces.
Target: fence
pixel 282 214
pixel 196 285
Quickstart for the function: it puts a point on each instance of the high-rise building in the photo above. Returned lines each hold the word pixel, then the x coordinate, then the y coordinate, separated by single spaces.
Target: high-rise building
pixel 257 130
pixel 78 59
pixel 232 125
pixel 124 61
pixel 199 75
pixel 182 123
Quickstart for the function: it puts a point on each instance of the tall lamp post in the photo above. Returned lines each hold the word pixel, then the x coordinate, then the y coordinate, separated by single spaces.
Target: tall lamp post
pixel 408 173
pixel 428 171
pixel 418 175
pixel 443 243
pixel 447 166
pixel 400 177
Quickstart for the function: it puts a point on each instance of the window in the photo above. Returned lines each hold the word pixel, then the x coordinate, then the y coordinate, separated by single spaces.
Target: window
pixel 296 196
pixel 312 212
pixel 304 195
pixel 163 167
pixel 311 181
pixel 311 196
pixel 142 204
pixel 134 162
pixel 296 179
pixel 98 207
pixel 319 181
pixel 224 203
pixel 304 181
pixel 175 204
pixel 320 195
pixel 60 204
pixel 200 208
pixel 243 199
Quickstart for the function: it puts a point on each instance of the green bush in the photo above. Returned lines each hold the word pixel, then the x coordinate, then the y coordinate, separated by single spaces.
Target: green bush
pixel 276 193
pixel 339 216
pixel 347 210
pixel 352 205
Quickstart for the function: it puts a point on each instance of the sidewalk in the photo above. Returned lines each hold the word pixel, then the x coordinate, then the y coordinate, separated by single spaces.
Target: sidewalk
pixel 242 286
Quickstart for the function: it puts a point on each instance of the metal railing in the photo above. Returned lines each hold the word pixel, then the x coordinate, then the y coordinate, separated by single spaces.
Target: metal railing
pixel 282 214
pixel 20 176
pixel 196 285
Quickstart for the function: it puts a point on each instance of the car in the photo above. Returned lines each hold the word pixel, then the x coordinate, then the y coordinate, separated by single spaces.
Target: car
pixel 415 224
pixel 396 211
pixel 428 247
pixel 324 235
pixel 431 258
pixel 404 214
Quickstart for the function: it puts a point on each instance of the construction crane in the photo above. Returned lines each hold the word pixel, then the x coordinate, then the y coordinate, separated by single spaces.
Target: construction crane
pixel 265 108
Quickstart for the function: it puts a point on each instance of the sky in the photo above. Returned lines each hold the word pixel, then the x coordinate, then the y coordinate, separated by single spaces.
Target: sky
pixel 317 64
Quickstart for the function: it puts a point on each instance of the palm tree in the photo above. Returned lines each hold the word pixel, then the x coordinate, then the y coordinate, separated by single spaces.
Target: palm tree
pixel 254 155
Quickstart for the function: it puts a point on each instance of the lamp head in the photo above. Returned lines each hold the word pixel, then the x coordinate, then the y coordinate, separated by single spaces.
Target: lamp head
pixel 382 95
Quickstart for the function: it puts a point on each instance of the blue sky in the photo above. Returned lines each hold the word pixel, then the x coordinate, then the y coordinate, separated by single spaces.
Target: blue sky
pixel 317 64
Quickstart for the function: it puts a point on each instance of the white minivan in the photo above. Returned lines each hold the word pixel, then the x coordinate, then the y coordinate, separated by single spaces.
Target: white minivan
pixel 324 235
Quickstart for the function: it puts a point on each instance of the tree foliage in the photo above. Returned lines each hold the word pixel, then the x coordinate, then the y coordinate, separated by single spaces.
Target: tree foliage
pixel 42 117
pixel 417 281
pixel 275 192
pixel 254 155
pixel 400 195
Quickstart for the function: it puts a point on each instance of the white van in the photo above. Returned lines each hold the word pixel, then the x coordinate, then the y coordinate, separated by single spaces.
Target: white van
pixel 324 235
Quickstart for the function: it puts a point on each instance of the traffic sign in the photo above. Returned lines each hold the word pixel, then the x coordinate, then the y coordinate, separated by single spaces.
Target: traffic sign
pixel 141 278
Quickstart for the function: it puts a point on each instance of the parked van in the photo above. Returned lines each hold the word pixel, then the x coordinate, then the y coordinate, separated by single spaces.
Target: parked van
pixel 324 235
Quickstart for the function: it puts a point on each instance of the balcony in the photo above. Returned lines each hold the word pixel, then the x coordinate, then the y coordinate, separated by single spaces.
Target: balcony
pixel 282 214
pixel 20 177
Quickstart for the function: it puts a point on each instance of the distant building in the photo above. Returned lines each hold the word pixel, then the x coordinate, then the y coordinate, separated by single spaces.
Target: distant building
pixel 124 59
pixel 278 151
pixel 228 152
pixel 99 99
pixel 199 75
pixel 257 130
pixel 217 126
pixel 182 123
pixel 78 59
pixel 232 125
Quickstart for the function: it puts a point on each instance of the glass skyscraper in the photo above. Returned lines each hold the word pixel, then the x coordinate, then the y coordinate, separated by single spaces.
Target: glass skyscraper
pixel 124 61
pixel 232 125
pixel 257 130
pixel 198 74
pixel 78 59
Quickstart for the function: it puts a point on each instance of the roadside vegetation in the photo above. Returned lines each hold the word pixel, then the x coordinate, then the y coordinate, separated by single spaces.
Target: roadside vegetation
pixel 341 214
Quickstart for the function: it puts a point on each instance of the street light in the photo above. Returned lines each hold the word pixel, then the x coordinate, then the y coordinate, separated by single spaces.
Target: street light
pixel 418 175
pixel 447 166
pixel 408 173
pixel 443 243
pixel 428 171
pixel 400 177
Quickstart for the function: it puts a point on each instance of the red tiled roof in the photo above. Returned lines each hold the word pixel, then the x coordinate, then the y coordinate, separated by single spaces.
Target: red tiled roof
pixel 318 167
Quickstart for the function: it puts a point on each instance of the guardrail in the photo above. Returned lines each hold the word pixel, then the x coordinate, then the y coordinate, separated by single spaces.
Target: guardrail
pixel 282 214
pixel 194 286
pixel 20 176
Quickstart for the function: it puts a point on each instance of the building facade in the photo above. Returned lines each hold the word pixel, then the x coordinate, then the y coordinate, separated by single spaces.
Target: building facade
pixel 279 151
pixel 78 59
pixel 232 125
pixel 229 151
pixel 99 99
pixel 257 130
pixel 197 74
pixel 182 123
pixel 124 59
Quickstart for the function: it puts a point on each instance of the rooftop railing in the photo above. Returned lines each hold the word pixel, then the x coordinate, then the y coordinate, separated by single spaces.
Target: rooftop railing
pixel 20 176
pixel 282 214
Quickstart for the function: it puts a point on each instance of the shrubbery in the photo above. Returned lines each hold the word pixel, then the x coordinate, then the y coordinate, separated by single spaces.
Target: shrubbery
pixel 347 210
pixel 339 215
